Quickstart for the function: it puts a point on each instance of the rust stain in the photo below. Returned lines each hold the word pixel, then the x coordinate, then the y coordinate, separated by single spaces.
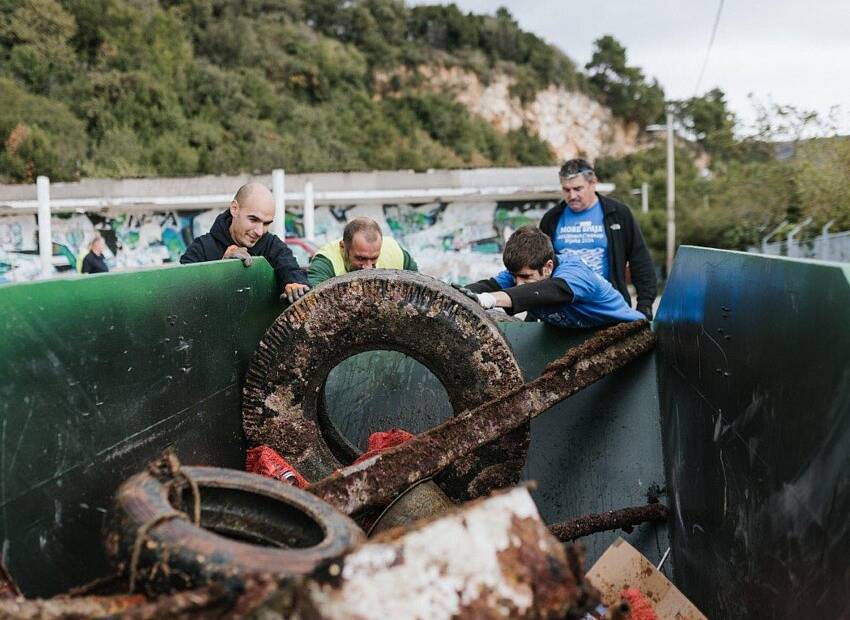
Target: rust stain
pixel 535 561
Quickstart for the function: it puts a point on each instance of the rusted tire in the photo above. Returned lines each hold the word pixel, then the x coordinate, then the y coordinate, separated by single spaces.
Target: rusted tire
pixel 381 309
pixel 249 525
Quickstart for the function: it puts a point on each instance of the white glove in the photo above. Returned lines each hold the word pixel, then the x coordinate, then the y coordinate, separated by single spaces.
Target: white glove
pixel 486 300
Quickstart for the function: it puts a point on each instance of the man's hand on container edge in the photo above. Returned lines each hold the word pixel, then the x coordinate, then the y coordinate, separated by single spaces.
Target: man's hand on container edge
pixel 235 251
pixel 294 291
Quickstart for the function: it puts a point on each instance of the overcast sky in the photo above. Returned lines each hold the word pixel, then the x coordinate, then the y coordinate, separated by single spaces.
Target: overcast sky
pixel 793 52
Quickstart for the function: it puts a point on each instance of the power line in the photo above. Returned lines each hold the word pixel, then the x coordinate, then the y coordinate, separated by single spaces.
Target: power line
pixel 710 45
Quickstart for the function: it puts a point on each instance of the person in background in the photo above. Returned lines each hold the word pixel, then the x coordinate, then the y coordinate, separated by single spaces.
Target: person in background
pixel 602 232
pixel 559 290
pixel 93 262
pixel 363 246
pixel 243 232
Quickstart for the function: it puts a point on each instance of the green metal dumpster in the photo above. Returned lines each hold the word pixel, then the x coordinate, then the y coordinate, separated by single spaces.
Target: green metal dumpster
pixel 746 437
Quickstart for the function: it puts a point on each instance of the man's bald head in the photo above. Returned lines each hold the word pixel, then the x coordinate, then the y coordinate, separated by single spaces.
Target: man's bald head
pixel 253 212
pixel 254 192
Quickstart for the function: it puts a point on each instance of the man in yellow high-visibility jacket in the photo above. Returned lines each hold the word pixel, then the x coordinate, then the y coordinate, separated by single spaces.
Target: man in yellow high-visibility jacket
pixel 362 246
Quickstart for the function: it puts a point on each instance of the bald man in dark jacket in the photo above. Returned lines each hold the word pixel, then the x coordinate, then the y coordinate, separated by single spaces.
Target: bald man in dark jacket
pixel 242 232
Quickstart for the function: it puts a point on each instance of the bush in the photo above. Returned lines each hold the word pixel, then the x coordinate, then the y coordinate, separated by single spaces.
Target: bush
pixel 39 136
pixel 119 153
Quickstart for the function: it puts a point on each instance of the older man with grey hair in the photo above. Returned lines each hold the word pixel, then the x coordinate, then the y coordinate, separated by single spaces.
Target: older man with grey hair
pixel 602 232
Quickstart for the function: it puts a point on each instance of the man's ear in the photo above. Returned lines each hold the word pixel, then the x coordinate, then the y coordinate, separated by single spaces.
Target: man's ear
pixel 342 247
pixel 234 208
pixel 548 268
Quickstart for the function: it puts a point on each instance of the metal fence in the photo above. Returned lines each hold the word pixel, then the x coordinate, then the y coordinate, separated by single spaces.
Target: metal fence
pixel 831 247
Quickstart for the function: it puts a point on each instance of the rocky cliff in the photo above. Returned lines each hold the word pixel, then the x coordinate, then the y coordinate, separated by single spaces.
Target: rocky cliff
pixel 572 123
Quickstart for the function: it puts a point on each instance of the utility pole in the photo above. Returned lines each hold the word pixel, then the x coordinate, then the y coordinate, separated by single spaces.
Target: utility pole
pixel 671 195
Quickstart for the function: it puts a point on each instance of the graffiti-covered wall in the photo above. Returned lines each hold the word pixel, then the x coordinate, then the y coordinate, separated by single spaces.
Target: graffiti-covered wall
pixel 457 242
pixel 138 239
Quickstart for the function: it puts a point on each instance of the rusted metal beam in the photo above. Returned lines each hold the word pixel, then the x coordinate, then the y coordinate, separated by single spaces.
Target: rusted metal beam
pixel 233 599
pixel 624 518
pixel 378 480
pixel 62 608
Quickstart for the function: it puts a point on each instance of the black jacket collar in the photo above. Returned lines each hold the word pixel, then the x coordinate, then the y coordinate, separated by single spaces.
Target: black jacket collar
pixel 221 228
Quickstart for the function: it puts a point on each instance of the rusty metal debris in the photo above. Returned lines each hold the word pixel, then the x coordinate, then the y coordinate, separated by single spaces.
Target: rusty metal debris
pixel 424 499
pixel 624 518
pixel 493 558
pixel 378 480
pixel 182 527
pixel 247 525
pixel 67 607
pixel 224 600
pixel 452 336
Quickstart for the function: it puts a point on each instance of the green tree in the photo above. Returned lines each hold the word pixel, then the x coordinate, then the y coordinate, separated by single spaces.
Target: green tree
pixel 623 88
pixel 528 149
pixel 822 172
pixel 708 121
pixel 39 32
pixel 649 166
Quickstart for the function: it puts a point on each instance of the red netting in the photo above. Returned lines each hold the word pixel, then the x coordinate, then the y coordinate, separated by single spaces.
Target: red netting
pixel 383 440
pixel 266 461
pixel 641 607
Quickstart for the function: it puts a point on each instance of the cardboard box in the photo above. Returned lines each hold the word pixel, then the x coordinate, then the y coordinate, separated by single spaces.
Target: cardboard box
pixel 622 566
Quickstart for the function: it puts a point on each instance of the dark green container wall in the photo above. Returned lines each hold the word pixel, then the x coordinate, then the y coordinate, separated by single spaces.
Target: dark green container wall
pixel 754 377
pixel 98 374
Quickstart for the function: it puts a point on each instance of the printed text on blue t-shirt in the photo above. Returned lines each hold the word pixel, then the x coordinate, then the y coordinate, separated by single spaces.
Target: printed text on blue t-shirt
pixel 583 235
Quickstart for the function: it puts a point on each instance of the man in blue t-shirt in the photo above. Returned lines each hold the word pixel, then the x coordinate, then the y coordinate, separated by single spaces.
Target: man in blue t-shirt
pixel 602 232
pixel 561 291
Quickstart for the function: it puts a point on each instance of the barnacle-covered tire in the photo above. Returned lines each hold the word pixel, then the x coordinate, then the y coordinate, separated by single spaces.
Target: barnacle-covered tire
pixel 250 525
pixel 419 316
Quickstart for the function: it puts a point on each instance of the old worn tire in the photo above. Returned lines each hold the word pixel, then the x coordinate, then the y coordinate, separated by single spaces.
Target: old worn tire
pixel 250 525
pixel 389 310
